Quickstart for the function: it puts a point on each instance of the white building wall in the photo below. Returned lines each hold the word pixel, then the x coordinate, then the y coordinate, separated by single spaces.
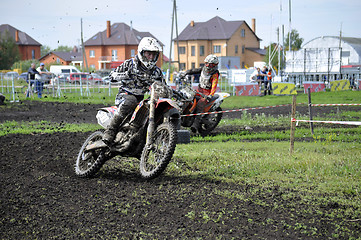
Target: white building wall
pixel 321 55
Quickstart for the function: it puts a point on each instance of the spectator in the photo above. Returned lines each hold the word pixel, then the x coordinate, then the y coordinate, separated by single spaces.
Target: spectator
pixel 268 82
pixel 257 76
pixel 31 78
pixel 263 75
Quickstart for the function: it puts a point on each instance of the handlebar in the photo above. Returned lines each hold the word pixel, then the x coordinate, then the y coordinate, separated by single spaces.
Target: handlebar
pixel 178 95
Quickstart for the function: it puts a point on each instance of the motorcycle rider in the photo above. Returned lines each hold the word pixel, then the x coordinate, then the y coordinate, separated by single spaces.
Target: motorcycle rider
pixel 133 86
pixel 208 82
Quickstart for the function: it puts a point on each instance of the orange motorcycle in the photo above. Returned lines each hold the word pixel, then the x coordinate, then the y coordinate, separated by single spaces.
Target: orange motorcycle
pixel 212 114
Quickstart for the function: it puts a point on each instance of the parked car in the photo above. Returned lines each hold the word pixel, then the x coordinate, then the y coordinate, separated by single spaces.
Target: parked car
pixel 23 76
pixel 11 75
pixel 106 81
pixel 97 78
pixel 83 77
pixel 60 69
pixel 60 78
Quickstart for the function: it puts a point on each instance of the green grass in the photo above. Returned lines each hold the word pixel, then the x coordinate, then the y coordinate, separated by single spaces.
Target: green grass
pixel 315 168
pixel 101 96
pixel 235 102
pixel 13 127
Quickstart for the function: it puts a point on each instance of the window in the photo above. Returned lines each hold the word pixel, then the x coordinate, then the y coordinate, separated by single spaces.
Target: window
pixel 114 55
pixel 201 51
pixel 92 66
pixel 57 60
pixel 217 49
pixel 132 53
pixel 193 50
pixel 182 66
pixel 243 48
pixel 236 49
pixel 193 65
pixel 345 53
pixel 91 53
pixel 243 33
pixel 33 54
pixel 182 50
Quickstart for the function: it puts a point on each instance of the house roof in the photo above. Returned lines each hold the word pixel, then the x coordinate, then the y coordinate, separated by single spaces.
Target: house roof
pixel 121 34
pixel 258 50
pixel 214 29
pixel 66 56
pixel 24 39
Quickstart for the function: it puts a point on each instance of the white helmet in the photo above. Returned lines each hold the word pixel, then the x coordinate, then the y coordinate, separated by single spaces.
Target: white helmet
pixel 213 60
pixel 148 44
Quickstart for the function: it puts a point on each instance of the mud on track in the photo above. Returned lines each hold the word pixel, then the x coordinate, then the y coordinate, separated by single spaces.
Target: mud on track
pixel 42 198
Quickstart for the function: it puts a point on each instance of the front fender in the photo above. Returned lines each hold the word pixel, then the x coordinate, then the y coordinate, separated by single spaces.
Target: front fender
pixel 167 101
pixel 169 110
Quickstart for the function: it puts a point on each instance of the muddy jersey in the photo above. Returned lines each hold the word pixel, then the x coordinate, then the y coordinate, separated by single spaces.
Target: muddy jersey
pixel 127 74
pixel 207 81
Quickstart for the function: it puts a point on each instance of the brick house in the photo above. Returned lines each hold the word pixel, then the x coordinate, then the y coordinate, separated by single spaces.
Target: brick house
pixel 234 42
pixel 112 46
pixel 28 47
pixel 64 58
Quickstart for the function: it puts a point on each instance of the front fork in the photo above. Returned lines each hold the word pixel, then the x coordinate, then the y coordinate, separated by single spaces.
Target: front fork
pixel 151 124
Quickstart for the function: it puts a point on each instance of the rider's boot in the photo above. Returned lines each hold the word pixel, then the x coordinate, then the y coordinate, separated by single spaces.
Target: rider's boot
pixel 196 124
pixel 110 132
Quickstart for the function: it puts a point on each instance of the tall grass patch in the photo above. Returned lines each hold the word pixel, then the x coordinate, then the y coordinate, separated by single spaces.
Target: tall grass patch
pixel 331 168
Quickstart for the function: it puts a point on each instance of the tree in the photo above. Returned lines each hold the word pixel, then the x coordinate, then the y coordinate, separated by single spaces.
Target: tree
pixel 62 48
pixel 9 51
pixel 296 41
pixel 25 64
pixel 44 49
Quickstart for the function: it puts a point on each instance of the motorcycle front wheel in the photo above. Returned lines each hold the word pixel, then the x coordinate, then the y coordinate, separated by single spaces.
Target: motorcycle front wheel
pixel 155 158
pixel 209 122
pixel 89 162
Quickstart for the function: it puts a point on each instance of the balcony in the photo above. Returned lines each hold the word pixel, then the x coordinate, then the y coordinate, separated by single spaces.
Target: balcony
pixel 108 59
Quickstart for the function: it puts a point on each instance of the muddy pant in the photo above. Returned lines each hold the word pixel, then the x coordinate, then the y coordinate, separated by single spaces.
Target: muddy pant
pixel 126 103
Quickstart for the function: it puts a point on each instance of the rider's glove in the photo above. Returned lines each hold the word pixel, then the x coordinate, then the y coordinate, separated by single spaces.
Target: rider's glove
pixel 209 97
pixel 182 75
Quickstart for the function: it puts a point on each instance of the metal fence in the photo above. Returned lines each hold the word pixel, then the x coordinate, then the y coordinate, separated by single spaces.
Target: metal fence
pixel 58 86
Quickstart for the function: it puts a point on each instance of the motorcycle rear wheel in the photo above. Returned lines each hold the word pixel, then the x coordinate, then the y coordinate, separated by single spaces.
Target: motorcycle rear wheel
pixel 210 122
pixel 89 163
pixel 155 159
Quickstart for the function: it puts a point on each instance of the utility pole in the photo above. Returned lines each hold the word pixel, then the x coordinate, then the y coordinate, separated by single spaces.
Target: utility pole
pixel 82 47
pixel 290 29
pixel 174 19
pixel 279 45
pixel 340 47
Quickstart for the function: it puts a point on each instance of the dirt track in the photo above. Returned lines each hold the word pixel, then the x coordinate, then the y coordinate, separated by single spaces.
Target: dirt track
pixel 42 198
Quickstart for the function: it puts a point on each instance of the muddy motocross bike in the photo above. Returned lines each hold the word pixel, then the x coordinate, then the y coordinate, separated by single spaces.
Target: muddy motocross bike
pixel 188 103
pixel 149 134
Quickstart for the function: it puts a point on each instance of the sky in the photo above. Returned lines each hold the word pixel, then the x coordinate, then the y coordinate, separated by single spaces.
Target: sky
pixel 58 22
